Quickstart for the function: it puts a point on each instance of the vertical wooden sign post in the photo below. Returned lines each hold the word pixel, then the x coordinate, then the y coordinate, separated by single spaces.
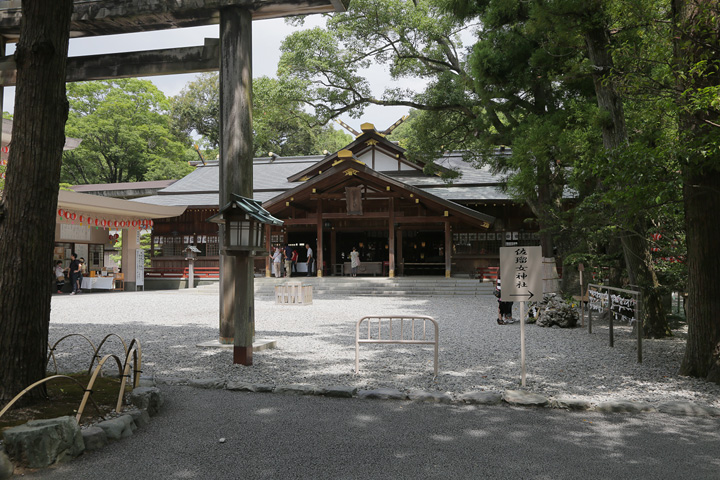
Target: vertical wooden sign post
pixel 521 271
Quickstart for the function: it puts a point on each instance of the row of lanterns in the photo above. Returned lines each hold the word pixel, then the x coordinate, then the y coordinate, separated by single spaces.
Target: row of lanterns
pixel 98 222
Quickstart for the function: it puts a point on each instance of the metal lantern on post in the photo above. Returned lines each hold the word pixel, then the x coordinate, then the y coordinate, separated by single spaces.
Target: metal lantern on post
pixel 191 252
pixel 244 220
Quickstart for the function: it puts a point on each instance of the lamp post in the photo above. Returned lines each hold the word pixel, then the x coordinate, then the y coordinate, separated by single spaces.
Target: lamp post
pixel 191 252
pixel 244 220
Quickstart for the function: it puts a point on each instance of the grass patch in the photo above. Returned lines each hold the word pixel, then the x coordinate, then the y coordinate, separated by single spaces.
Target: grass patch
pixel 64 397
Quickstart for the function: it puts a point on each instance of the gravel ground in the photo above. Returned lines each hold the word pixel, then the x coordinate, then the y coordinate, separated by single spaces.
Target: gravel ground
pixel 315 346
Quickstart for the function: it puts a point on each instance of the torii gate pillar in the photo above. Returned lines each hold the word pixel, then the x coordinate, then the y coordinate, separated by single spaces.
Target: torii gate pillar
pixel 237 292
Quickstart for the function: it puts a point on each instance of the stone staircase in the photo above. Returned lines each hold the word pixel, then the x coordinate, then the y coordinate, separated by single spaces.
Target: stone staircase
pixel 423 286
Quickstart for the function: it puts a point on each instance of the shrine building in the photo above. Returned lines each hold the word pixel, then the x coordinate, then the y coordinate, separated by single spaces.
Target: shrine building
pixel 368 195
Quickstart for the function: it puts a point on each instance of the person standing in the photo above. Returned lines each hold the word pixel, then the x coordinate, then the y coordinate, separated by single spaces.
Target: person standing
pixel 277 259
pixel 310 260
pixel 354 261
pixel 288 260
pixel 74 272
pixel 504 308
pixel 294 259
pixel 81 273
pixel 59 276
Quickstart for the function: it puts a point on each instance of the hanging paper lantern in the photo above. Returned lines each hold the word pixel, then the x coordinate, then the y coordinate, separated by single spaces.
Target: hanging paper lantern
pixel 117 235
pixel 67 215
pixel 60 212
pixel 103 223
pixel 134 223
pixel 81 218
pixel 96 222
pixel 152 223
pixel 110 237
pixel 115 223
pixel 73 216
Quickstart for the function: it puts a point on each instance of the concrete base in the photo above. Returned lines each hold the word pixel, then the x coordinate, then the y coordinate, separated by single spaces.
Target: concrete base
pixel 258 345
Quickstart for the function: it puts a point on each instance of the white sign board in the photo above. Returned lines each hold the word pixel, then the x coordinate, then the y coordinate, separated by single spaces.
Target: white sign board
pixel 521 271
pixel 139 268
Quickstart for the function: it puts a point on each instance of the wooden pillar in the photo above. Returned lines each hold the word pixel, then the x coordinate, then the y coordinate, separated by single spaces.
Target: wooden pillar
pixel 3 44
pixel 401 269
pixel 391 237
pixel 448 248
pixel 319 251
pixel 268 263
pixel 333 249
pixel 237 304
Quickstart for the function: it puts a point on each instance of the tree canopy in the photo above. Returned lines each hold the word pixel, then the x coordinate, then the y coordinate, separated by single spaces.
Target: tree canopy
pixel 126 134
pixel 280 124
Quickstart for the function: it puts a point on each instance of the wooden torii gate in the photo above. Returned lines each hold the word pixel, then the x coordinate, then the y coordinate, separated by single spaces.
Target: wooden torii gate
pixel 231 54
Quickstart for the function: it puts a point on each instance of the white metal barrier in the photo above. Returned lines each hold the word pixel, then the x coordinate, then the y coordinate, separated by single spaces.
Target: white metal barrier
pixel 407 333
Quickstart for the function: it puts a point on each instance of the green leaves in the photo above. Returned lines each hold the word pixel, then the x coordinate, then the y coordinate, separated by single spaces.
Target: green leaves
pixel 125 131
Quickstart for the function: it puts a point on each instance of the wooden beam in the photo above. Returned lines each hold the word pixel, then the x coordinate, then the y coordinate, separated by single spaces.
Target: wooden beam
pixel 391 238
pixel 448 248
pixel 168 61
pixel 110 17
pixel 335 216
pixel 300 221
pixel 319 250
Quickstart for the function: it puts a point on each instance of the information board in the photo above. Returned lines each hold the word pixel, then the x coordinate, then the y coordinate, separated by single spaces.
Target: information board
pixel 521 271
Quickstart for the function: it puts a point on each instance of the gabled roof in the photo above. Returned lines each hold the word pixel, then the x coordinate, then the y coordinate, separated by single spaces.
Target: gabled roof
pixel 348 172
pixel 369 139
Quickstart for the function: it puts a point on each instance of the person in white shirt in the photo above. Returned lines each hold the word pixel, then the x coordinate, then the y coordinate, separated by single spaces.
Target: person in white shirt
pixel 277 261
pixel 310 260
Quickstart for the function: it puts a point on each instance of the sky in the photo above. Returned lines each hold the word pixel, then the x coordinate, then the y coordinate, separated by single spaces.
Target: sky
pixel 267 37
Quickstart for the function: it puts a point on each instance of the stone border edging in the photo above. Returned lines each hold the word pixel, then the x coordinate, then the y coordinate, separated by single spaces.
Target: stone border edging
pixel 520 398
pixel 147 400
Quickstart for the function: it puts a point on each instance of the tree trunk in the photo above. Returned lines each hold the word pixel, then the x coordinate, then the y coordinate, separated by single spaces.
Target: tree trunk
pixel 637 255
pixel 697 40
pixel 27 228
pixel 643 275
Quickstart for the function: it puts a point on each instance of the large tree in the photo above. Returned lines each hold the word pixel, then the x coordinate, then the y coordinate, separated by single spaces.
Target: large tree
pixel 126 134
pixel 29 204
pixel 280 125
pixel 697 54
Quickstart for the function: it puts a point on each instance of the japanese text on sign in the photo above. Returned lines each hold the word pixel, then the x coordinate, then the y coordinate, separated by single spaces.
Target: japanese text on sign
pixel 521 273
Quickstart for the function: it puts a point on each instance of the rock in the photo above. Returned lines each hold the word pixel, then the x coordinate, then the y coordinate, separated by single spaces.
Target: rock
pixel 624 406
pixel 140 417
pixel 571 403
pixel 147 398
pixel 339 391
pixel 524 399
pixel 687 408
pixel 40 443
pixel 554 311
pixel 297 389
pixel 434 397
pixel 208 383
pixel 248 387
pixel 6 466
pixel 117 428
pixel 382 394
pixel 94 438
pixel 481 398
